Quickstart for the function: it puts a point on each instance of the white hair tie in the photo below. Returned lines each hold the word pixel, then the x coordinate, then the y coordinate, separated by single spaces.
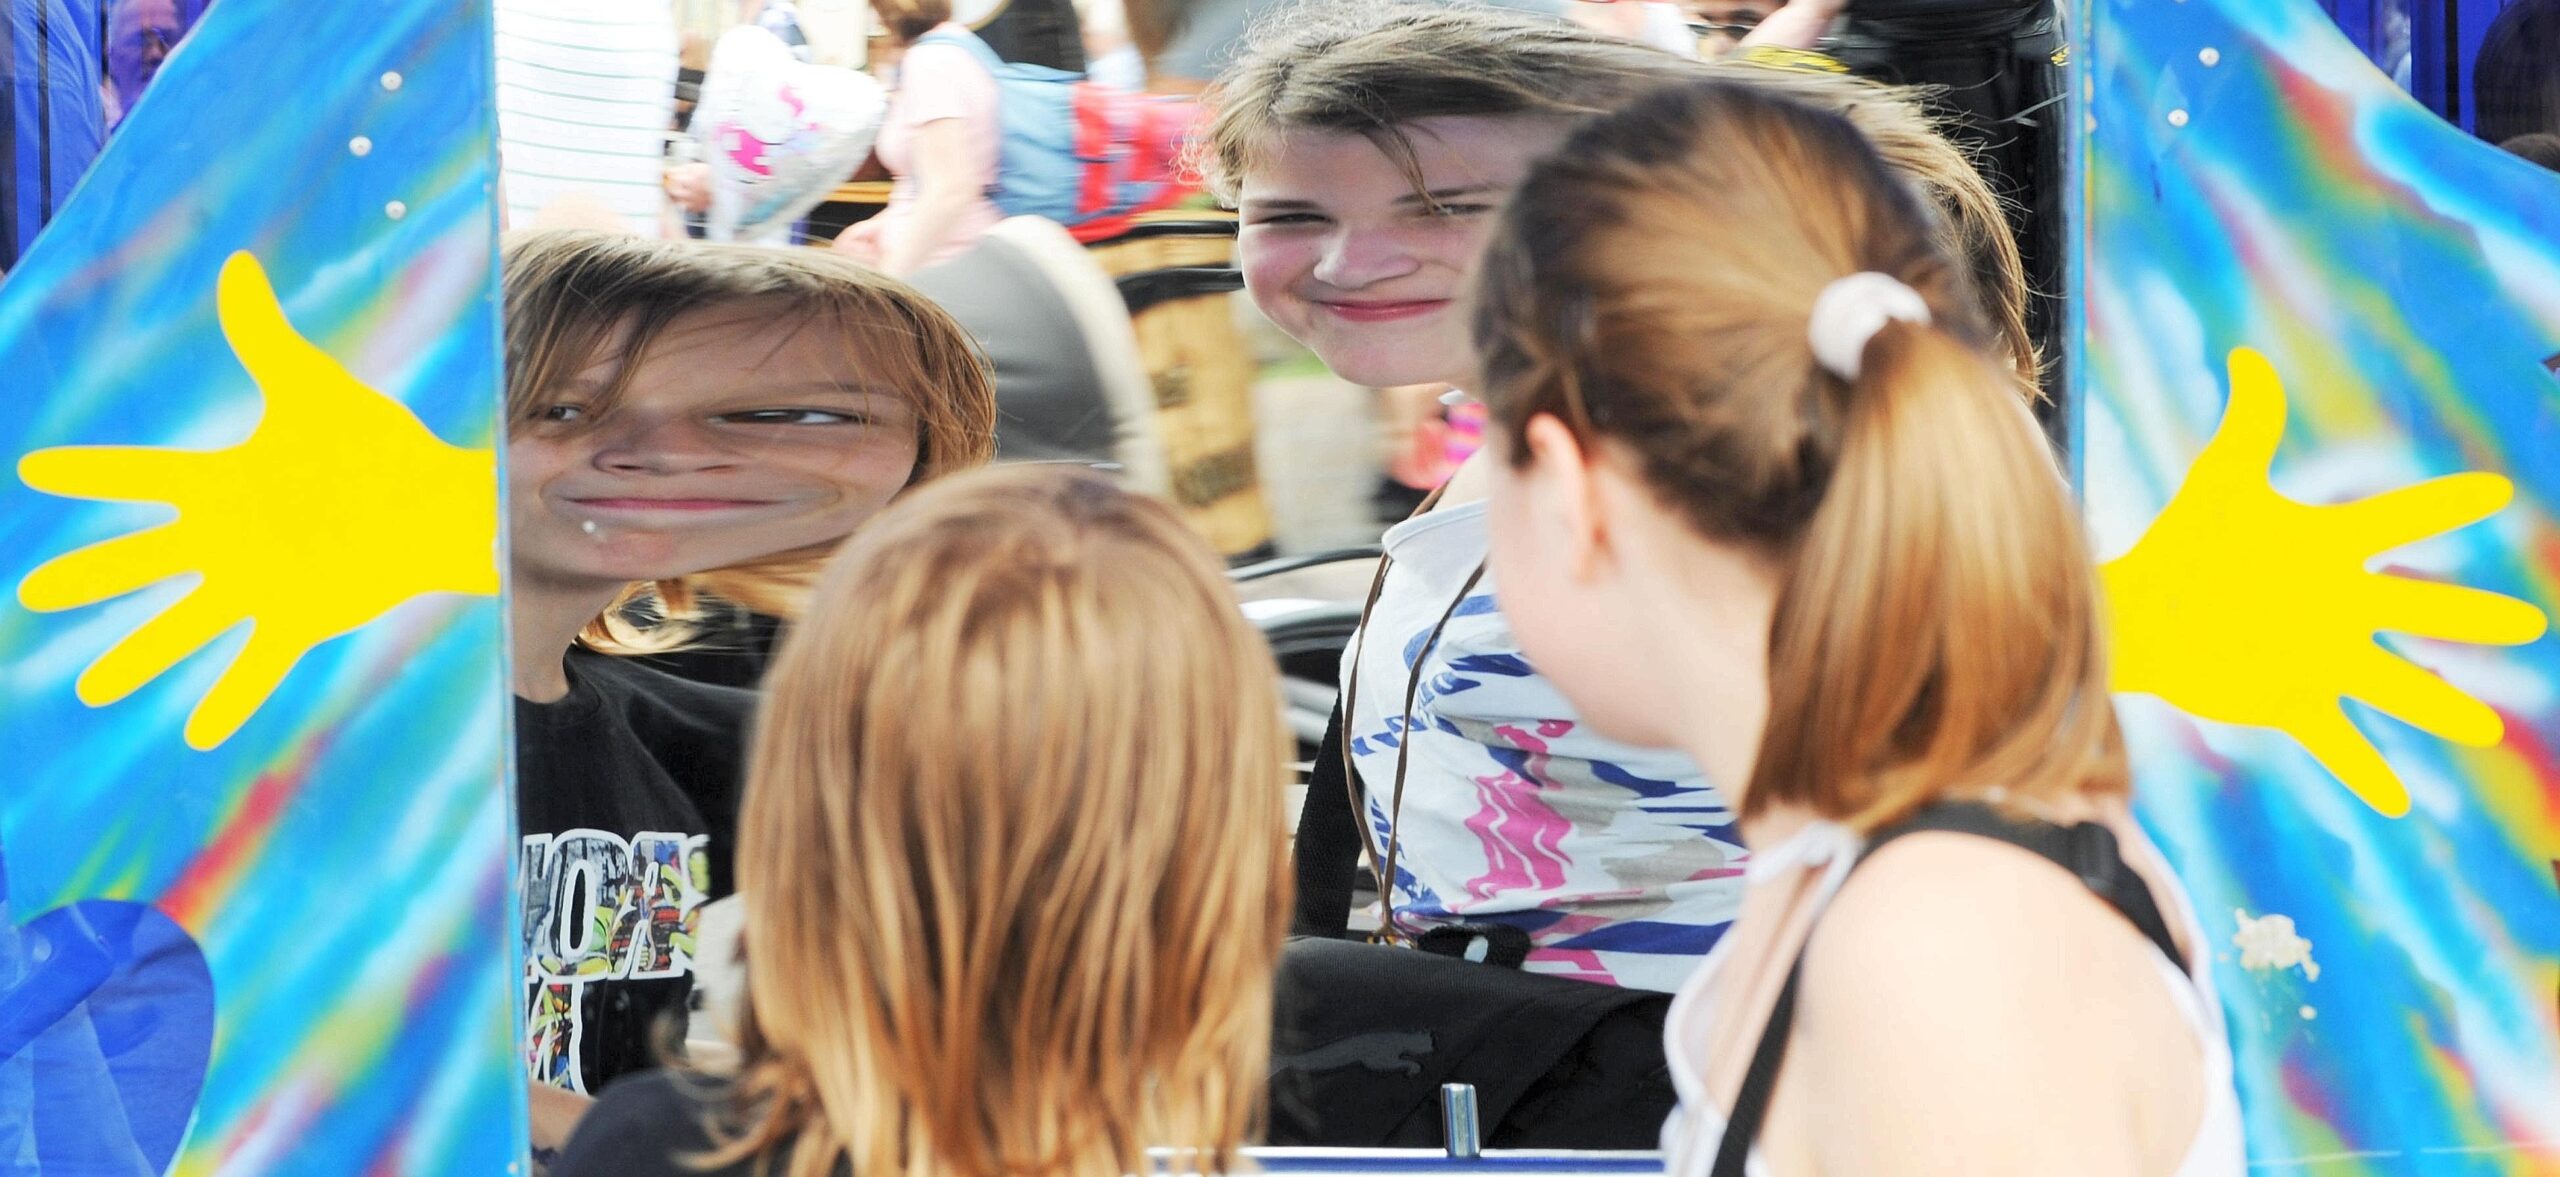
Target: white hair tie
pixel 1849 312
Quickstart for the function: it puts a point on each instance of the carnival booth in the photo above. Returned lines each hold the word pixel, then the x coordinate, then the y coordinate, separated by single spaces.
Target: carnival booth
pixel 257 868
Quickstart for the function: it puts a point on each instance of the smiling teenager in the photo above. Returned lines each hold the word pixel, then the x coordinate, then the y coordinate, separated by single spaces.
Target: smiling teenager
pixel 1369 149
pixel 683 418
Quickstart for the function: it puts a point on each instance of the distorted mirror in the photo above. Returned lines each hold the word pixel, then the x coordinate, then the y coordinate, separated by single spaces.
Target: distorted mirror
pixel 1257 316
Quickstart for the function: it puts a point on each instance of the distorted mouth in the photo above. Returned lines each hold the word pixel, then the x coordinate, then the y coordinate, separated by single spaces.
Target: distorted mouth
pixel 667 504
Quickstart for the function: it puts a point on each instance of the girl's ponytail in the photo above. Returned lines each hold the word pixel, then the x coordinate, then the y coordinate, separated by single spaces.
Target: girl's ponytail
pixel 1937 627
pixel 1818 386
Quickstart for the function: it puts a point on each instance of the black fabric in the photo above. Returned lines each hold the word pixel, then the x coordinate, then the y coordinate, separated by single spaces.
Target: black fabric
pixel 1364 1035
pixel 1036 32
pixel 626 810
pixel 649 1124
pixel 1328 845
pixel 731 650
pixel 2087 850
pixel 1751 1104
pixel 2001 71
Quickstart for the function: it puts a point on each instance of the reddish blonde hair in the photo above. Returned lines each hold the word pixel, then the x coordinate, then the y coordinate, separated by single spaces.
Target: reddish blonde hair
pixel 1012 848
pixel 1937 622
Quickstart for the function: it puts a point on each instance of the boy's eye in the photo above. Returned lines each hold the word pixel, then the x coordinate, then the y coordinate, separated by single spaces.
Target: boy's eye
pixel 1289 219
pixel 1460 210
pixel 560 413
pixel 788 417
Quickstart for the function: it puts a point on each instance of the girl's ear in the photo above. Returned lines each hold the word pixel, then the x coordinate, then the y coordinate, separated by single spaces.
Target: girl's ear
pixel 1568 511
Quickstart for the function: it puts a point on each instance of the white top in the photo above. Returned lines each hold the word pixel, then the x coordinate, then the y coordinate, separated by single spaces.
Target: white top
pixel 1621 863
pixel 1690 1137
pixel 586 94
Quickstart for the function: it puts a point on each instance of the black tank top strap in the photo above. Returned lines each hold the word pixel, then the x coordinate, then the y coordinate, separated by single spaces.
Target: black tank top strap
pixel 2088 850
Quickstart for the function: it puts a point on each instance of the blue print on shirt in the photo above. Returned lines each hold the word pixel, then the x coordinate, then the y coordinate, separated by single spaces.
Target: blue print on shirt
pixel 1475 606
pixel 1506 665
pixel 1651 936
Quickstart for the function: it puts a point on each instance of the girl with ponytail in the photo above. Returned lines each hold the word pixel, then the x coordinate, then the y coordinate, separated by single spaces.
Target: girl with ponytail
pixel 1771 497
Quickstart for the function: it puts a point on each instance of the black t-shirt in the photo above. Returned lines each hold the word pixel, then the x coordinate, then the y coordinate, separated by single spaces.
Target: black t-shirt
pixel 649 1125
pixel 626 806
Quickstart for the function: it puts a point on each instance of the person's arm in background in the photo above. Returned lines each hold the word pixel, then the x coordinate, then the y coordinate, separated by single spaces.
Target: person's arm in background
pixel 1799 25
pixel 946 185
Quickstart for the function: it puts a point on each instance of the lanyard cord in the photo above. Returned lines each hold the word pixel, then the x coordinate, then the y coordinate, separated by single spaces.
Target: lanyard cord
pixel 1386 858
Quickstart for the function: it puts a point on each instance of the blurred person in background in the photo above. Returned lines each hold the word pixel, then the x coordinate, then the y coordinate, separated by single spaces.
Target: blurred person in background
pixel 940 143
pixel 1034 32
pixel 2538 147
pixel 1720 25
pixel 2515 82
pixel 140 36
pixel 52 119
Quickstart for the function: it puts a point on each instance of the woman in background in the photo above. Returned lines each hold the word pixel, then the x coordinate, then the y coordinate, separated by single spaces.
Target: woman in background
pixel 940 142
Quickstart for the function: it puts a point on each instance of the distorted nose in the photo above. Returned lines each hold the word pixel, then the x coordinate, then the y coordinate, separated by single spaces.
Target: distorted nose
pixel 640 443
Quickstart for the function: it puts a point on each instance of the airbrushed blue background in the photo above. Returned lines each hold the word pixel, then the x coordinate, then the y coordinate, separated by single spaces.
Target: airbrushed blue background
pixel 2252 180
pixel 342 860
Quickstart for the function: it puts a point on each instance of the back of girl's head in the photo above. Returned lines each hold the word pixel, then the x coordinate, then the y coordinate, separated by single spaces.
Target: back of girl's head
pixel 575 297
pixel 1370 68
pixel 1936 624
pixel 1012 843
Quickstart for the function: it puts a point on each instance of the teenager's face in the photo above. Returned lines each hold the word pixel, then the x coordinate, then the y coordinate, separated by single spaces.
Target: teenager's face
pixel 743 433
pixel 1340 250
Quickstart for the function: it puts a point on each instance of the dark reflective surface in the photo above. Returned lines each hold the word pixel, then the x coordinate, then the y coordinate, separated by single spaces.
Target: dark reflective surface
pixel 2491 67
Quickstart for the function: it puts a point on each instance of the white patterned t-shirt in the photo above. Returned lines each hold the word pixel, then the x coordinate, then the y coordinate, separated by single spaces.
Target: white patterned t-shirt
pixel 1621 863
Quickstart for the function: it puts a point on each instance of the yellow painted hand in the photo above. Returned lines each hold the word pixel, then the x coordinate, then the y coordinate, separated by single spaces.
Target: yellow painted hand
pixel 2243 606
pixel 339 507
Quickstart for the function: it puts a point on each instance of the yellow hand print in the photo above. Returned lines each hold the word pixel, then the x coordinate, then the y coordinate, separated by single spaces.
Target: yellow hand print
pixel 2243 606
pixel 340 506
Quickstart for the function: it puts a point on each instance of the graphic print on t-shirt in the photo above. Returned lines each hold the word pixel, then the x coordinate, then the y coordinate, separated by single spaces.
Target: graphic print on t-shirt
pixel 598 909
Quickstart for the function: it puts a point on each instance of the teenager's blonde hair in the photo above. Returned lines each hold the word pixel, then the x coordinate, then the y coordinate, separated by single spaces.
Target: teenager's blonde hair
pixel 1011 849
pixel 574 297
pixel 1937 621
pixel 1371 67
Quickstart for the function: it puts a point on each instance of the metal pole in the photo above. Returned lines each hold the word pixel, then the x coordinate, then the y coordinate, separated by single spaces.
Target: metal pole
pixel 1458 1121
